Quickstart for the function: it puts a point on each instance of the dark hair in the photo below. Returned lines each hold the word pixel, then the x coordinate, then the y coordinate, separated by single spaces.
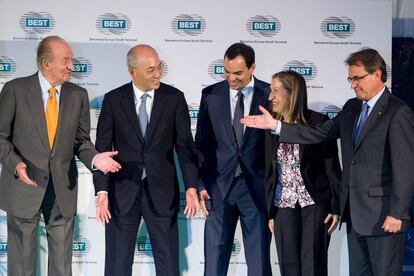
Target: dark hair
pixel 370 59
pixel 295 85
pixel 44 51
pixel 241 49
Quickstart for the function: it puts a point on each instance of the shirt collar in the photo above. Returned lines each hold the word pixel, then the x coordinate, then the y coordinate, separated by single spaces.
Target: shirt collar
pixel 138 93
pixel 245 90
pixel 45 85
pixel 374 99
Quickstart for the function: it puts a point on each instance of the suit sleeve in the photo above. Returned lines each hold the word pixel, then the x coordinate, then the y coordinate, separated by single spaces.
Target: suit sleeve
pixel 333 172
pixel 306 134
pixel 84 148
pixel 184 144
pixel 401 143
pixel 203 139
pixel 104 142
pixel 8 156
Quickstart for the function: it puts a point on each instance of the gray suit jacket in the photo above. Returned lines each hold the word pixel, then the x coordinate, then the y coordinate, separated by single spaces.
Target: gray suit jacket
pixel 377 178
pixel 23 137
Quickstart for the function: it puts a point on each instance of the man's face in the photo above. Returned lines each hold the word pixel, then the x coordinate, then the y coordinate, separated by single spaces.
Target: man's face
pixel 365 85
pixel 59 69
pixel 147 74
pixel 237 73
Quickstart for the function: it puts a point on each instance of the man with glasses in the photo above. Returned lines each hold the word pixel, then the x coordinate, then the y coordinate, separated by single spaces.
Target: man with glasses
pixel 377 140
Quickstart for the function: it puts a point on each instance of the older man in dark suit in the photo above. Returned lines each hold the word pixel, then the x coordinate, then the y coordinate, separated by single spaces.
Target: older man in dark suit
pixel 145 121
pixel 377 134
pixel 44 124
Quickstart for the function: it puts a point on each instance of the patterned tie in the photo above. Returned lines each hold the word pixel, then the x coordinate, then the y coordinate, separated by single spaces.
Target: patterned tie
pixel 52 116
pixel 238 127
pixel 362 119
pixel 142 114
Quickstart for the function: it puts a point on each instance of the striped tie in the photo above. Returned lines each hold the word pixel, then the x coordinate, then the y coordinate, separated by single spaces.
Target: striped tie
pixel 238 127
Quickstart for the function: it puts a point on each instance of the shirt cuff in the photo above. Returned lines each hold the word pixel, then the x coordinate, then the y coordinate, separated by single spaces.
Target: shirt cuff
pixel 278 129
pixel 93 161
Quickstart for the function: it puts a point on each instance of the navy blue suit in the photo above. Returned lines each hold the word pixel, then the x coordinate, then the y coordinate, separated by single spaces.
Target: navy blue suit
pixel 232 197
pixel 156 197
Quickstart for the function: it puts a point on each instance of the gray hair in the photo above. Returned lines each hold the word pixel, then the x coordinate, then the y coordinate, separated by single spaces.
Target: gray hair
pixel 133 58
pixel 44 51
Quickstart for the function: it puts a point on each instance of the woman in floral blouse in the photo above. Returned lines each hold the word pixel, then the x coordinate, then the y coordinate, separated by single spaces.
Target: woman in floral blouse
pixel 302 184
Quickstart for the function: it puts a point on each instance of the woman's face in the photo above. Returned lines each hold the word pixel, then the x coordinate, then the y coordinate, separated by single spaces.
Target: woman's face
pixel 279 98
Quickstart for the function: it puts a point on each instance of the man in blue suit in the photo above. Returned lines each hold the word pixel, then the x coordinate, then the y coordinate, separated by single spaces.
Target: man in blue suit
pixel 232 172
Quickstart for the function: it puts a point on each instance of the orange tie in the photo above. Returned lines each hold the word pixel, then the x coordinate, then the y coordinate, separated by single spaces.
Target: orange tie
pixel 52 116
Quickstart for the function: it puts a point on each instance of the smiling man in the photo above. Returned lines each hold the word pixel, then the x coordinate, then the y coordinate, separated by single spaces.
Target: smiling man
pixel 377 134
pixel 232 173
pixel 145 120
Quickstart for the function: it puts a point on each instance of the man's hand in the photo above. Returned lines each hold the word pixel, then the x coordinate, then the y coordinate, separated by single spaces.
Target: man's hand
pixel 334 223
pixel 392 225
pixel 203 197
pixel 191 199
pixel 102 211
pixel 104 162
pixel 21 170
pixel 264 121
pixel 272 225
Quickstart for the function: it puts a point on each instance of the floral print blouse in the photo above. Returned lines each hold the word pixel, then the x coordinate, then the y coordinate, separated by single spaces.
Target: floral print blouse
pixel 290 187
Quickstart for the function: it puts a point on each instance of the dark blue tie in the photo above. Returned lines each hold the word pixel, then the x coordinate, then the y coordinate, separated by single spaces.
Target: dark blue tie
pixel 362 119
pixel 238 127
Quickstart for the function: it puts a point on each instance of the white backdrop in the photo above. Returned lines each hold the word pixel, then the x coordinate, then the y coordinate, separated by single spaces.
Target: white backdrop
pixel 191 36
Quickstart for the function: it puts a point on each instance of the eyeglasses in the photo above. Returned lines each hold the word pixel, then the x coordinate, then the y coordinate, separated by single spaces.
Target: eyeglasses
pixel 356 78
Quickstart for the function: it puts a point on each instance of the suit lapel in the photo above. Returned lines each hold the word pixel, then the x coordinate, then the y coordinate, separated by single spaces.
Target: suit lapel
pixel 158 106
pixel 221 113
pixel 374 116
pixel 36 107
pixel 350 120
pixel 128 104
pixel 257 99
pixel 275 144
pixel 65 108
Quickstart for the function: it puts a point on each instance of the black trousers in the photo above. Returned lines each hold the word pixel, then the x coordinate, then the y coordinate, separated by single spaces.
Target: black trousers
pixel 375 255
pixel 121 236
pixel 302 241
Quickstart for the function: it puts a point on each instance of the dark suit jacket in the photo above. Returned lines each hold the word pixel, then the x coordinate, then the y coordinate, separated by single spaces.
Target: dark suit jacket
pixel 217 144
pixel 377 178
pixel 319 166
pixel 23 137
pixel 169 129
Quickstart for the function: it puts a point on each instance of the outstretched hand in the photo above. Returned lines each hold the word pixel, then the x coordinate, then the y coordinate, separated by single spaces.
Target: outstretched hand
pixel 104 162
pixel 264 121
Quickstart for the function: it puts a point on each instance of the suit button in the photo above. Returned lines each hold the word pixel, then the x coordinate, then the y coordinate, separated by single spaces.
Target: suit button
pixel 353 162
pixel 45 178
pixel 240 155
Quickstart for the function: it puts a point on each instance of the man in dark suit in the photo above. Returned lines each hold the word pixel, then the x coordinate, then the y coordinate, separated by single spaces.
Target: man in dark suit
pixel 44 123
pixel 232 180
pixel 145 121
pixel 377 133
